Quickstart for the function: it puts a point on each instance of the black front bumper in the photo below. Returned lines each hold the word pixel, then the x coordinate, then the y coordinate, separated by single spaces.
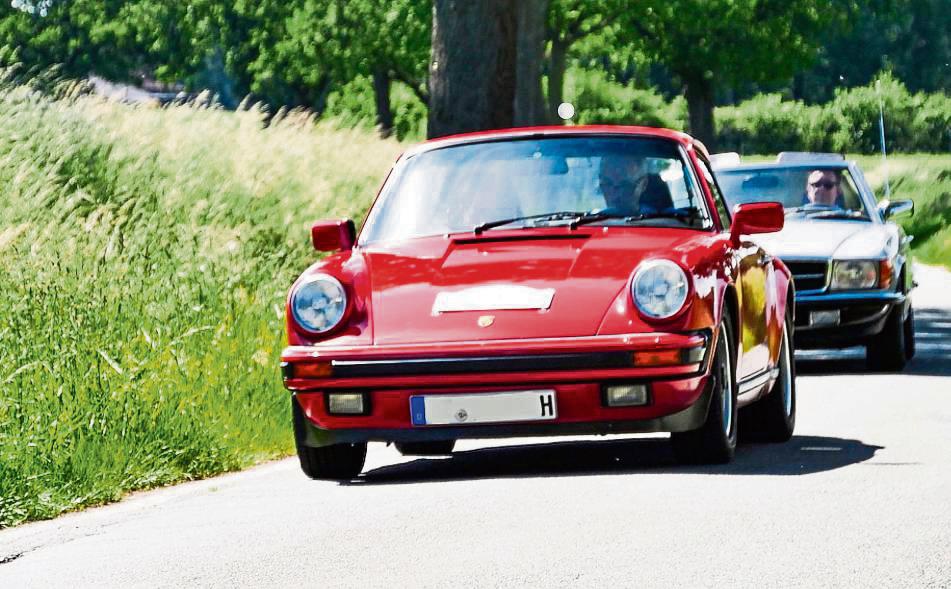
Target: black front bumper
pixel 862 315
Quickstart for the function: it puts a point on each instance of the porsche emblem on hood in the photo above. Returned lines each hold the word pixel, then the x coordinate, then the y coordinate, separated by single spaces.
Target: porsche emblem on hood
pixel 486 320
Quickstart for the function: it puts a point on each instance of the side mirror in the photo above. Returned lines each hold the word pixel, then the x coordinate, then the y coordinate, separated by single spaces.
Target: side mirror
pixel 890 209
pixel 332 236
pixel 757 217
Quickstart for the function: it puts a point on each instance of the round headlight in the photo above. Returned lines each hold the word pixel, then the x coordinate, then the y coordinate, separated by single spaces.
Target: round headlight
pixel 854 274
pixel 318 304
pixel 659 288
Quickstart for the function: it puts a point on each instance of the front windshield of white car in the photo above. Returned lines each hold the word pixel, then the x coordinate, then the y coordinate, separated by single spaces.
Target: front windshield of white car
pixel 538 182
pixel 811 192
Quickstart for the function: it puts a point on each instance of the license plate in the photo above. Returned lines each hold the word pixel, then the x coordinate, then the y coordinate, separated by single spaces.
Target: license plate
pixel 820 318
pixel 502 407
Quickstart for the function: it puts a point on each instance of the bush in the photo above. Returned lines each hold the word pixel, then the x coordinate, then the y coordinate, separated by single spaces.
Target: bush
pixel 848 124
pixel 933 123
pixel 769 124
pixel 856 113
pixel 353 106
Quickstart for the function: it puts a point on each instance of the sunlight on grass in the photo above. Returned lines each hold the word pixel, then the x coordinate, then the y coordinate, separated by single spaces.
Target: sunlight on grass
pixel 926 179
pixel 146 254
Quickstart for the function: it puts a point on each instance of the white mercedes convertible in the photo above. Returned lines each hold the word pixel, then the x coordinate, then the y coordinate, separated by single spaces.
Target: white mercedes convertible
pixel 848 258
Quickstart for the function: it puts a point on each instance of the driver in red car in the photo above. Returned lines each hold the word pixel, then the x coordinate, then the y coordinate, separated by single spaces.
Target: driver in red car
pixel 629 190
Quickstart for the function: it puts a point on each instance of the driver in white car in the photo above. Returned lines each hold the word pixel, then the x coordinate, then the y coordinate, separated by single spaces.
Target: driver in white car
pixel 824 188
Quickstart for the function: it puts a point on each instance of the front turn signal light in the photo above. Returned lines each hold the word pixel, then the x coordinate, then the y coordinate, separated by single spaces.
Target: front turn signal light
pixel 674 357
pixel 885 272
pixel 658 358
pixel 308 370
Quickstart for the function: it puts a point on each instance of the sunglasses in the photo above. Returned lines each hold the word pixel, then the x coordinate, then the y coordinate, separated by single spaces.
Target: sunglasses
pixel 610 184
pixel 825 184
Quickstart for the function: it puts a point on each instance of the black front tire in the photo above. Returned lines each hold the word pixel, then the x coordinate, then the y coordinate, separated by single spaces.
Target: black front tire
pixel 337 462
pixel 438 448
pixel 773 418
pixel 888 351
pixel 715 441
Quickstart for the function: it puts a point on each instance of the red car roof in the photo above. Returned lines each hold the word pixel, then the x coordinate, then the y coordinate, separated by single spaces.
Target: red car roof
pixel 478 136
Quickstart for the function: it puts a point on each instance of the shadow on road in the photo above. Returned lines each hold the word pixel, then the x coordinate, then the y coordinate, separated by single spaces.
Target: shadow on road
pixel 933 357
pixel 801 455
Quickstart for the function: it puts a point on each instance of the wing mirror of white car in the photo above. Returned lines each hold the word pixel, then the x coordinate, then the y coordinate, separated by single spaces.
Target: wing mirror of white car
pixel 891 209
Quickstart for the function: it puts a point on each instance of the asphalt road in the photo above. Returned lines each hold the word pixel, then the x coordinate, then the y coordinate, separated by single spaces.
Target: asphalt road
pixel 861 497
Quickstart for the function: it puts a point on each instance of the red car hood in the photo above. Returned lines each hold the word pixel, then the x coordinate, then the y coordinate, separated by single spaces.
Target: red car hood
pixel 581 272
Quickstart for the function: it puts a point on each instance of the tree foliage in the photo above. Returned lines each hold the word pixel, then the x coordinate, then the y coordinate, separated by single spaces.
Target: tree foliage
pixel 910 38
pixel 77 36
pixel 296 53
pixel 710 42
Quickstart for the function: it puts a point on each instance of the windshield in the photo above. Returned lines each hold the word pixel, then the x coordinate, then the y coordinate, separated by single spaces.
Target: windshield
pixel 535 182
pixel 808 192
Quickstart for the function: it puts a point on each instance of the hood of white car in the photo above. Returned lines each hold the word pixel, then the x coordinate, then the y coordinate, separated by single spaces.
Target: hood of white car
pixel 827 238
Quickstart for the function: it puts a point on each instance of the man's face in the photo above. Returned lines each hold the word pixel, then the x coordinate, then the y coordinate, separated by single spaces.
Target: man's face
pixel 617 180
pixel 822 187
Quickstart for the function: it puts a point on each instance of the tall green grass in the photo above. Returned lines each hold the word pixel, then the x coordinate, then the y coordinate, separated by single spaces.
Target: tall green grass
pixel 926 179
pixel 144 258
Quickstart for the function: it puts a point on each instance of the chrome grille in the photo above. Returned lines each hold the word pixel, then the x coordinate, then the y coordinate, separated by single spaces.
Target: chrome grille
pixel 808 274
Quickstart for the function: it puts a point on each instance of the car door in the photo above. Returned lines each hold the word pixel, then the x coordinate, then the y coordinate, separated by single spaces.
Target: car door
pixel 758 304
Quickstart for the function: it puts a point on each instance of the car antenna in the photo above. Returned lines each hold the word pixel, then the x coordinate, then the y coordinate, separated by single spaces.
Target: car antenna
pixel 881 136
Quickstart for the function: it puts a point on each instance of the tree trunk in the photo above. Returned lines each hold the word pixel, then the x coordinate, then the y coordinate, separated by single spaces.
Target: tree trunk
pixel 799 86
pixel 472 73
pixel 381 92
pixel 529 101
pixel 217 78
pixel 318 94
pixel 699 95
pixel 556 77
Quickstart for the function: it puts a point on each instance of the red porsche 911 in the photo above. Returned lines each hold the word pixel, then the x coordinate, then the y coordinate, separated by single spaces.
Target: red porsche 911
pixel 543 281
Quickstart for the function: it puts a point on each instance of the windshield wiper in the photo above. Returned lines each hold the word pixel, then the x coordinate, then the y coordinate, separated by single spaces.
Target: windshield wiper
pixel 811 209
pixel 838 215
pixel 814 211
pixel 581 218
pixel 546 217
pixel 593 216
pixel 686 215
